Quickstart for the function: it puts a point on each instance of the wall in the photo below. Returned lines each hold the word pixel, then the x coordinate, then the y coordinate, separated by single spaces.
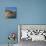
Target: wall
pixel 28 12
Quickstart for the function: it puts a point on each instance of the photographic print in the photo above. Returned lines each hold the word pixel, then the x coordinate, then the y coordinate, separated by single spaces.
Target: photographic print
pixel 10 12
